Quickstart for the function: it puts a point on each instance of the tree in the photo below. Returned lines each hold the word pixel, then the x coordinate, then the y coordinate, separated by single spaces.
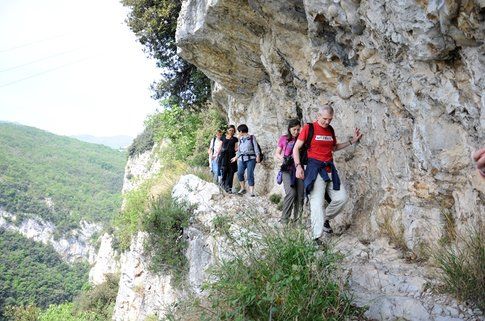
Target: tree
pixel 154 22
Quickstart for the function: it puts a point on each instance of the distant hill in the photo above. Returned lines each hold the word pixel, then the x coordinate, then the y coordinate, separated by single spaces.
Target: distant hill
pixel 115 142
pixel 58 178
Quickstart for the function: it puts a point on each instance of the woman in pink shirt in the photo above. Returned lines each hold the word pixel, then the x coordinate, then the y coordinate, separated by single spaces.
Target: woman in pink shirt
pixel 293 187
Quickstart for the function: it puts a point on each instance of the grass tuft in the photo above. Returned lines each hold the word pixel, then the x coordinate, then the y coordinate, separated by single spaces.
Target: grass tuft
pixel 275 198
pixel 463 266
pixel 165 244
pixel 282 276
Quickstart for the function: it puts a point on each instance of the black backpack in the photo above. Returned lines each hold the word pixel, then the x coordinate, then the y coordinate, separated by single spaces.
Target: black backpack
pixel 261 155
pixel 306 145
pixel 213 143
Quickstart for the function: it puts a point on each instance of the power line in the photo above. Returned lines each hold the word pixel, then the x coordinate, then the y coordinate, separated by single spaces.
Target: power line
pixel 44 72
pixel 31 43
pixel 37 60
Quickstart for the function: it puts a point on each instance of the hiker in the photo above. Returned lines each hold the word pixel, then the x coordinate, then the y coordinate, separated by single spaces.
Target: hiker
pixel 248 155
pixel 293 186
pixel 226 154
pixel 320 175
pixel 479 158
pixel 214 149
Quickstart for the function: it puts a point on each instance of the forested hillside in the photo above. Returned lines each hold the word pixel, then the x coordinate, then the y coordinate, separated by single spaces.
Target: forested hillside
pixel 61 179
pixel 33 273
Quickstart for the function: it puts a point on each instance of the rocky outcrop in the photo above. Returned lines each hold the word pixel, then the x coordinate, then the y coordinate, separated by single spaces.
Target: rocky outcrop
pixel 141 293
pixel 107 261
pixel 379 279
pixel 72 247
pixel 141 167
pixel 408 73
pixel 138 169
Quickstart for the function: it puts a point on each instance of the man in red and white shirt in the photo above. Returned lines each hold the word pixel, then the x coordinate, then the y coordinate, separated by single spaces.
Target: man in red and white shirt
pixel 321 175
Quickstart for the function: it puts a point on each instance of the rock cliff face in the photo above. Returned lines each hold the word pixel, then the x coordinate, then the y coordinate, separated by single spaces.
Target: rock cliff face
pixel 141 293
pixel 140 168
pixel 107 261
pixel 137 170
pixel 76 246
pixel 379 278
pixel 409 73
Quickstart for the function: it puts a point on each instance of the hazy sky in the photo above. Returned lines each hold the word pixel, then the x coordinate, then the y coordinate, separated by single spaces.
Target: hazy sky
pixel 73 67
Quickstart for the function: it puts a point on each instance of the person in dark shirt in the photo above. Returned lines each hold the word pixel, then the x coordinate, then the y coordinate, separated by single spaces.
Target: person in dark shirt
pixel 228 152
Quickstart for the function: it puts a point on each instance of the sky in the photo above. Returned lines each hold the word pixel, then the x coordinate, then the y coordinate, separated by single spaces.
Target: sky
pixel 73 67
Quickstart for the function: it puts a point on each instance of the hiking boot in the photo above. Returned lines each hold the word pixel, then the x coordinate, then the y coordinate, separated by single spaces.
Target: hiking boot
pixel 241 192
pixel 327 228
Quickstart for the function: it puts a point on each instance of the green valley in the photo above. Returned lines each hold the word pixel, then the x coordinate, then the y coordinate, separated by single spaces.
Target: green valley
pixel 60 179
pixel 63 181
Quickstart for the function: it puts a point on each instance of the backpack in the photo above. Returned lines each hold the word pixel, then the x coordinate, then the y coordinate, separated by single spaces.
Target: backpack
pixel 213 143
pixel 306 145
pixel 261 156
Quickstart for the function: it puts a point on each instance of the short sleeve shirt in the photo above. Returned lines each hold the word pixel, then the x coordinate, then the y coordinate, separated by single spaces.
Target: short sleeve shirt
pixel 286 146
pixel 322 144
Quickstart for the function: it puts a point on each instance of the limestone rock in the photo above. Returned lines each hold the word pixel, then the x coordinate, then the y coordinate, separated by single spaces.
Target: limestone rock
pixel 408 73
pixel 140 168
pixel 107 261
pixel 73 247
pixel 141 293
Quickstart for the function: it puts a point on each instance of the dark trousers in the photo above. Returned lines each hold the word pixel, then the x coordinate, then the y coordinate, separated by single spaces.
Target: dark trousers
pixel 293 199
pixel 228 176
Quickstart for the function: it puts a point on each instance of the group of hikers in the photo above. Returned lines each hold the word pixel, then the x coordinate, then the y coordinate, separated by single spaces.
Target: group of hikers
pixel 229 155
pixel 305 157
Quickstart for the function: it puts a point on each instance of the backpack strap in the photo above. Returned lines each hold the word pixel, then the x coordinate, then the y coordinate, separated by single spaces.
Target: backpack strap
pixel 309 138
pixel 213 144
pixel 333 132
pixel 252 142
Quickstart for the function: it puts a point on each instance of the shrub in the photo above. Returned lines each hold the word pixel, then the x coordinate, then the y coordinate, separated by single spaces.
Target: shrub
pixel 203 173
pixel 22 313
pixel 187 133
pixel 99 300
pixel 166 243
pixel 128 221
pixel 137 203
pixel 463 267
pixel 211 121
pixel 284 277
pixel 142 142
pixel 65 312
pixel 275 198
pixel 221 224
pixel 177 127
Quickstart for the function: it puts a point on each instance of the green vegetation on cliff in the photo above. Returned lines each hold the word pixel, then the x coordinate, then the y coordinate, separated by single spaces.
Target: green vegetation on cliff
pixel 272 274
pixel 463 266
pixel 61 179
pixel 186 133
pixel 186 136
